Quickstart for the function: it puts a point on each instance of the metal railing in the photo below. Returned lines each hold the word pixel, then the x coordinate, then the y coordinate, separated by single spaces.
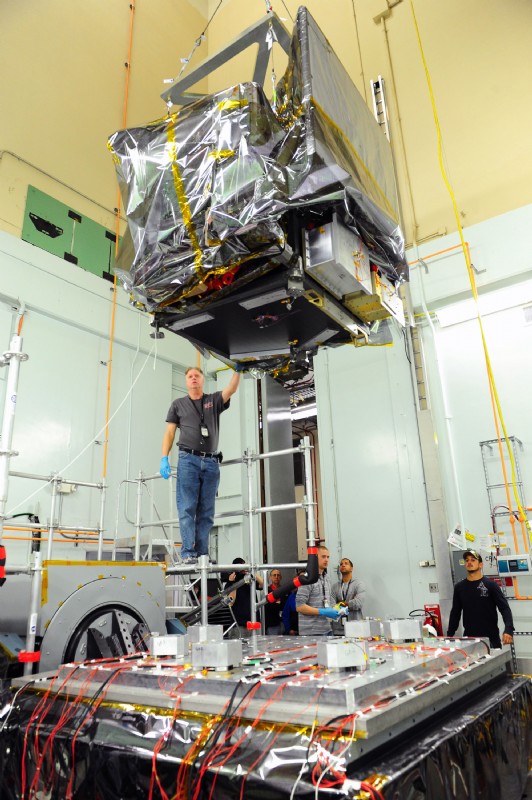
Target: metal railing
pixel 251 512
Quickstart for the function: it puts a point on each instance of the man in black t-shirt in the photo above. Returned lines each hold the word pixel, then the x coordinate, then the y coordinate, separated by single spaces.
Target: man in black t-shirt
pixel 198 471
pixel 478 598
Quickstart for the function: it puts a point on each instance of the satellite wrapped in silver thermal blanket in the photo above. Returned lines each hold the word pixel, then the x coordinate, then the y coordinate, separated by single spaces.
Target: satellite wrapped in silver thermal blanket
pixel 208 190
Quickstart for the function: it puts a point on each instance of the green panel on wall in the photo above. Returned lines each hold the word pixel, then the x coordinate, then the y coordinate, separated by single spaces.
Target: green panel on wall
pixel 66 233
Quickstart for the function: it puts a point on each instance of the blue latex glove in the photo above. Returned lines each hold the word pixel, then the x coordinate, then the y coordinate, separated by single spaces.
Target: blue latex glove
pixel 332 613
pixel 164 469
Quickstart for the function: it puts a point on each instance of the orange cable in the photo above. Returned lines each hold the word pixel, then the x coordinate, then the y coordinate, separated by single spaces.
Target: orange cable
pixel 433 255
pixel 469 265
pixel 495 416
pixel 518 596
pixel 45 529
pixel 117 234
pixel 55 539
pixel 440 253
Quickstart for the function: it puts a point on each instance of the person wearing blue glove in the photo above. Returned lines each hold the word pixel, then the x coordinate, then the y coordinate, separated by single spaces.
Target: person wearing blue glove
pixel 315 602
pixel 197 415
pixel 165 470
pixel 331 613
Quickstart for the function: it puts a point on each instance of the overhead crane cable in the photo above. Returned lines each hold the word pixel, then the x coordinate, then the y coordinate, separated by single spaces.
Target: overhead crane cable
pixel 465 249
pixel 287 11
pixel 117 239
pixel 359 52
pixel 197 43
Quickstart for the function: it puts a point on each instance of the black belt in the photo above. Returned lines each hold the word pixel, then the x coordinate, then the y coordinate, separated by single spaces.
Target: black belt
pixel 200 453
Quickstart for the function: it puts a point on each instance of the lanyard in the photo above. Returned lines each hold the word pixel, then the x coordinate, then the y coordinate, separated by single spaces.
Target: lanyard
pixel 196 409
pixel 325 600
pixel 345 594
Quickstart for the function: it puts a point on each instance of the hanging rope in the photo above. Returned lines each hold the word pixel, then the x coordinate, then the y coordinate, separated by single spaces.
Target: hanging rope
pixel 491 378
pixel 185 61
pixel 117 239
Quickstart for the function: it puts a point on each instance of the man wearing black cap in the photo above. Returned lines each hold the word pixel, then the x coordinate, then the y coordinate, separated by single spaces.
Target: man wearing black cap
pixel 478 598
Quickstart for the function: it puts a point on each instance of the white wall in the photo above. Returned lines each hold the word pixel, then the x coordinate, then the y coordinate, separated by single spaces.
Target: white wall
pixel 374 501
pixel 455 360
pixel 372 476
pixel 63 389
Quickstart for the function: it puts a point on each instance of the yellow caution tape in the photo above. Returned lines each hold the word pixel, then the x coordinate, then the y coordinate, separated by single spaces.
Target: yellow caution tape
pixel 219 154
pixel 181 195
pixel 228 105
pixel 114 155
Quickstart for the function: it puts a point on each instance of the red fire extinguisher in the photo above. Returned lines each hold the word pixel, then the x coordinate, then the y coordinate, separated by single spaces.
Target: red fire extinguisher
pixel 433 617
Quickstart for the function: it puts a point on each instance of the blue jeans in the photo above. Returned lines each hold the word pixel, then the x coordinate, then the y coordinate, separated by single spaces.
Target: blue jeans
pixel 197 483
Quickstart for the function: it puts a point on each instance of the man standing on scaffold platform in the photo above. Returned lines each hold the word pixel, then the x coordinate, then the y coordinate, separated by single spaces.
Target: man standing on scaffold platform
pixel 198 470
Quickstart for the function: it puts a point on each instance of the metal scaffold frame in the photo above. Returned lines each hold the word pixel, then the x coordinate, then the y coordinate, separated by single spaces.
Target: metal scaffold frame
pixel 34 566
pixel 249 511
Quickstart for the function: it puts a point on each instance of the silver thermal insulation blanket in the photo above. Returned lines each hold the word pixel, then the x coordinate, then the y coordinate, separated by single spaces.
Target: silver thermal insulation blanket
pixel 154 729
pixel 208 190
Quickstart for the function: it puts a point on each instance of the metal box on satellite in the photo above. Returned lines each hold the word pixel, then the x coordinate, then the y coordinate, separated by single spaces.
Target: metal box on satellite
pixel 338 259
pixel 342 654
pixel 363 628
pixel 399 630
pixel 217 655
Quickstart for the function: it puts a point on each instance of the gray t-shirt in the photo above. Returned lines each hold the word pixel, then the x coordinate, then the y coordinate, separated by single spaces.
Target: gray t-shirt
pixel 317 595
pixel 187 414
pixel 351 593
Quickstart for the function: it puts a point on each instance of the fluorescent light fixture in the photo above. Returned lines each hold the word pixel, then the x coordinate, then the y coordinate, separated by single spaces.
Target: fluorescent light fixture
pixel 258 355
pixel 489 303
pixel 190 321
pixel 302 412
pixel 264 299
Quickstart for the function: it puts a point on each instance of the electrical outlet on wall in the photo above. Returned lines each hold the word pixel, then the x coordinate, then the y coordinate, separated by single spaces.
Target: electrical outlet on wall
pixel 433 587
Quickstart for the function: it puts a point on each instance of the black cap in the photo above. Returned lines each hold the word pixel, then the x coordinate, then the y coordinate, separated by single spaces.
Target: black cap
pixel 473 553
